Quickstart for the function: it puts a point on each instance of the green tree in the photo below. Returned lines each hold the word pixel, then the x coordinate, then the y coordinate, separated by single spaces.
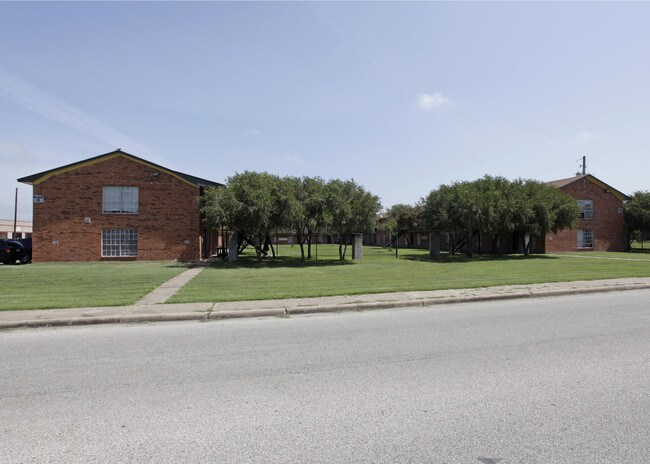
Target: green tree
pixel 497 207
pixel 455 209
pixel 403 219
pixel 350 209
pixel 636 214
pixel 251 205
pixel 542 208
pixel 306 211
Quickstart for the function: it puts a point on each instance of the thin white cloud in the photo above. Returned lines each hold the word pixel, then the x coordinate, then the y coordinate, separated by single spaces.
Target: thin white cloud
pixel 433 100
pixel 42 102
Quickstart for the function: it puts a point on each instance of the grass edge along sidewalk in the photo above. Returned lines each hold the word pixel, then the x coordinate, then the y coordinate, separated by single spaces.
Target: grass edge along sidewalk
pixel 380 272
pixel 55 285
pixel 284 308
pixel 81 284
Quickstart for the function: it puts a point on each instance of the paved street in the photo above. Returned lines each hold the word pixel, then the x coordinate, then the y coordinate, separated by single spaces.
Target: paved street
pixel 549 380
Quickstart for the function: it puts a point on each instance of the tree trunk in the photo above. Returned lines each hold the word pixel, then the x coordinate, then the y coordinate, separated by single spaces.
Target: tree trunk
pixel 526 243
pixel 302 247
pixel 309 238
pixel 269 244
pixel 343 247
pixel 468 245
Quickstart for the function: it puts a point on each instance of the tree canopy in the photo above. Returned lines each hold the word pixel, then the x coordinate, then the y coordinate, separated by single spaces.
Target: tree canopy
pixel 251 205
pixel 636 213
pixel 495 207
pixel 351 209
pixel 402 219
pixel 256 204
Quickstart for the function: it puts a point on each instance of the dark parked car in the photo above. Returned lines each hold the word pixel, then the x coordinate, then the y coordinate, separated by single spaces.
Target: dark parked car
pixel 13 250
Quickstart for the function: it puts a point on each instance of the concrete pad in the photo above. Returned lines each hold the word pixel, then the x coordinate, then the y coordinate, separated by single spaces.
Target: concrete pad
pixel 64 313
pixel 58 317
pixel 316 301
pixel 381 297
pixel 178 308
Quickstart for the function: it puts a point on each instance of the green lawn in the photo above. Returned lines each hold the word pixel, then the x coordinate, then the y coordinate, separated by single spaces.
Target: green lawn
pixel 640 247
pixel 69 285
pixel 65 285
pixel 379 271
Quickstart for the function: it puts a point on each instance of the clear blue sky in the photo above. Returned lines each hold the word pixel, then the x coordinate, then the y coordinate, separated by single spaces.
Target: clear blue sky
pixel 402 97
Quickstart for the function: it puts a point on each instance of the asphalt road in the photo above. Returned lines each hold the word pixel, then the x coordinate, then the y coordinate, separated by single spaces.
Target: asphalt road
pixel 552 380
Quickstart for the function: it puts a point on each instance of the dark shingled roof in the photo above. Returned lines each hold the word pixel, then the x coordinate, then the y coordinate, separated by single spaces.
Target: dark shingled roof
pixel 199 182
pixel 562 182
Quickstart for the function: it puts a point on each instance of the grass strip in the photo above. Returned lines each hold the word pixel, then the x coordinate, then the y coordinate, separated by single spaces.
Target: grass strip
pixel 379 271
pixel 78 285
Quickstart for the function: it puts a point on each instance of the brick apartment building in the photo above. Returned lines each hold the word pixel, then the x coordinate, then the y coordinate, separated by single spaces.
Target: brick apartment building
pixel 118 206
pixel 600 226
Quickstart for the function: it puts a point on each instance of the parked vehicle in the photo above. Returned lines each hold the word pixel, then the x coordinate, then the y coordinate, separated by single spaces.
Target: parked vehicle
pixel 26 242
pixel 13 250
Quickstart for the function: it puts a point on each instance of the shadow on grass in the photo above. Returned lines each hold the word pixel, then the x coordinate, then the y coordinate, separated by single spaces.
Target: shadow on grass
pixel 251 262
pixel 640 250
pixel 462 258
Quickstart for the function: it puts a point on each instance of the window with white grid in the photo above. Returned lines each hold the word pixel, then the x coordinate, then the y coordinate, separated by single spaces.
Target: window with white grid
pixel 585 238
pixel 586 209
pixel 119 242
pixel 120 200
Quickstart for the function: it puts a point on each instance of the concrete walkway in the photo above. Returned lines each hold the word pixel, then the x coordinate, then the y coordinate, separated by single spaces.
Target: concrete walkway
pixel 148 310
pixel 169 288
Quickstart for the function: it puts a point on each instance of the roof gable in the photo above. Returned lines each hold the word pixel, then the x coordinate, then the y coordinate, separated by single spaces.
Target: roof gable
pixel 570 180
pixel 40 177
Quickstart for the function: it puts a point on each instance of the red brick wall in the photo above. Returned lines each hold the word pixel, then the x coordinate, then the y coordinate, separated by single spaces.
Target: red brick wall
pixel 607 223
pixel 167 214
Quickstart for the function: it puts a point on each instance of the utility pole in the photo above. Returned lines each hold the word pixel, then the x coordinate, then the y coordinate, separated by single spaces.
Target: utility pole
pixel 584 165
pixel 15 214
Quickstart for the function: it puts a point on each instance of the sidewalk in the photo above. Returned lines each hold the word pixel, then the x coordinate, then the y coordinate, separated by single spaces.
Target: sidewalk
pixel 147 310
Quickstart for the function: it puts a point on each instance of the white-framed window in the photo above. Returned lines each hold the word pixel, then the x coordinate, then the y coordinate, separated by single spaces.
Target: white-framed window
pixel 586 209
pixel 120 200
pixel 119 242
pixel 585 238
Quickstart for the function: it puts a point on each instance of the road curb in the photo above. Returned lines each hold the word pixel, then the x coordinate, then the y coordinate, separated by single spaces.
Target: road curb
pixel 238 313
pixel 57 322
pixel 162 317
pixel 209 315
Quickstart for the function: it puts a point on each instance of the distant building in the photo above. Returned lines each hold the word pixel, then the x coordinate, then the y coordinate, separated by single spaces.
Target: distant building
pixel 600 226
pixel 117 206
pixel 23 229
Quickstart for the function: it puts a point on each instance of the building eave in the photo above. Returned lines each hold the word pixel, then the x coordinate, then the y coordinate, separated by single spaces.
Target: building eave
pixel 41 177
pixel 561 183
